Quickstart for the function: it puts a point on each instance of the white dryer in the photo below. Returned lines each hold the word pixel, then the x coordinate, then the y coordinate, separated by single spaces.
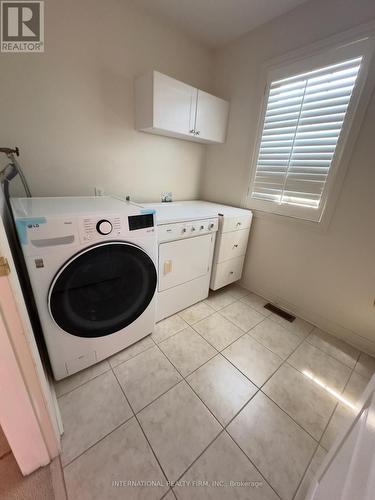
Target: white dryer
pixel 92 266
pixel 186 237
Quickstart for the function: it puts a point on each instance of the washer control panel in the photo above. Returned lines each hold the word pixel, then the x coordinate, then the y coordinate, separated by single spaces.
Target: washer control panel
pixel 189 229
pixel 93 229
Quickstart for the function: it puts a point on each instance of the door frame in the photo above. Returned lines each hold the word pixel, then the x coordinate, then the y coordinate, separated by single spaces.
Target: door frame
pixel 350 463
pixel 28 414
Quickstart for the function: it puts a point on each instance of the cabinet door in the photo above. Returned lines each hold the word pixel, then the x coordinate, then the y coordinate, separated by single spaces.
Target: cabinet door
pixel 211 117
pixel 174 105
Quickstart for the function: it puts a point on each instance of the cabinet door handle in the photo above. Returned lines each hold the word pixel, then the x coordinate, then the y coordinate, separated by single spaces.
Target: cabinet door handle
pixel 239 223
pixel 192 131
pixel 197 132
pixel 231 272
pixel 235 246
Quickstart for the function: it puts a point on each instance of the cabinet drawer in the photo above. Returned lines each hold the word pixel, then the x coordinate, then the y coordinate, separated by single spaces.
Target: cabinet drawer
pixel 226 272
pixel 235 223
pixel 230 245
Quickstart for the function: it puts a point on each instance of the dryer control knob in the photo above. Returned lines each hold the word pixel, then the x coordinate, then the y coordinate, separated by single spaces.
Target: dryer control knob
pixel 104 227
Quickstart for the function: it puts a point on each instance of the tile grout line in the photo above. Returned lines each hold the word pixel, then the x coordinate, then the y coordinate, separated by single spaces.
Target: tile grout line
pixel 83 383
pixel 107 370
pixel 325 429
pixel 222 430
pixel 195 369
pixel 337 404
pixel 223 427
pixel 63 477
pixel 185 380
pixel 180 381
pixel 328 354
pixel 317 445
pixel 172 334
pixel 300 426
pixel 143 432
pixel 246 455
pixel 321 437
pixel 135 355
pixel 64 466
pixel 259 388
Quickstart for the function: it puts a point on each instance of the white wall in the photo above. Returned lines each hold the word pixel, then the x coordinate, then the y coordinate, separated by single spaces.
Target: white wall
pixel 327 277
pixel 71 109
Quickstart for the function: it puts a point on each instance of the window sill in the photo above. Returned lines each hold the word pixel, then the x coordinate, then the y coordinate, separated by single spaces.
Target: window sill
pixel 319 226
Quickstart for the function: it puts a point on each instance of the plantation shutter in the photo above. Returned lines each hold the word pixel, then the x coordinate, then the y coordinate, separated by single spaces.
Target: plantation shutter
pixel 302 124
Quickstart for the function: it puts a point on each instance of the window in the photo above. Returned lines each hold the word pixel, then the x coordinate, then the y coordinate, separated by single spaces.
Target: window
pixel 307 113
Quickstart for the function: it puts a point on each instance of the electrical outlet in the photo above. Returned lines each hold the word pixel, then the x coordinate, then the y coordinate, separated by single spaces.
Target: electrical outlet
pixel 99 191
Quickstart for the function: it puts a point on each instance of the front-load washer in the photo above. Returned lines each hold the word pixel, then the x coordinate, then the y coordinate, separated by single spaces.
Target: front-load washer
pixel 92 263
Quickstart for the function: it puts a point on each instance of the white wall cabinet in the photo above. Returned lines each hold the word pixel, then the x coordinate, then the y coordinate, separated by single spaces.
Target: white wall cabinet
pixel 166 106
pixel 211 117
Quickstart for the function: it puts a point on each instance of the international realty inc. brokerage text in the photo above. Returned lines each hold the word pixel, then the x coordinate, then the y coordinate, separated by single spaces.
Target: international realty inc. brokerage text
pixel 186 484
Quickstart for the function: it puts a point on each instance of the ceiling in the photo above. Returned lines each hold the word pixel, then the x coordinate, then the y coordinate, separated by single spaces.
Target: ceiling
pixel 216 22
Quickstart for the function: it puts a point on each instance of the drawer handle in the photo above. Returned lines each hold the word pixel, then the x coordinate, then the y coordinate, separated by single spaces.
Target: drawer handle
pixel 239 223
pixel 235 246
pixel 231 272
pixel 167 267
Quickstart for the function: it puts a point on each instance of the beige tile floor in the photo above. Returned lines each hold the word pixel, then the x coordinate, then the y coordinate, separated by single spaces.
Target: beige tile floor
pixel 208 404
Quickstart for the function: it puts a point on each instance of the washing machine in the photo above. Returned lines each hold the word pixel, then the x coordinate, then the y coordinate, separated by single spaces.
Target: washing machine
pixel 92 266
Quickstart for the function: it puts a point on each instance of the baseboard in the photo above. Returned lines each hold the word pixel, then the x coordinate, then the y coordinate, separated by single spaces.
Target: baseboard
pixel 325 324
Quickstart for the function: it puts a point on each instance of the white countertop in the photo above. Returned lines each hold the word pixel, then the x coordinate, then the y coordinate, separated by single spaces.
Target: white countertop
pixel 179 211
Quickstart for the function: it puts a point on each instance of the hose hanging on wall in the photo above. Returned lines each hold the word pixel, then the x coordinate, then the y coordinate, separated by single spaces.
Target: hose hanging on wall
pixel 10 171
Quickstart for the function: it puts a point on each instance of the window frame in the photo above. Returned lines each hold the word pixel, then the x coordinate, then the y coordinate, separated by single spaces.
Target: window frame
pixel 359 41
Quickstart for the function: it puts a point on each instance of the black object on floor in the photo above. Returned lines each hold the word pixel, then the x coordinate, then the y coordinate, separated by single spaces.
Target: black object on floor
pixel 280 312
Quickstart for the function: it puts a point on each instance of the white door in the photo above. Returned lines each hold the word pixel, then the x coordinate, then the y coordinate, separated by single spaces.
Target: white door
pixel 348 471
pixel 174 105
pixel 211 117
pixel 184 260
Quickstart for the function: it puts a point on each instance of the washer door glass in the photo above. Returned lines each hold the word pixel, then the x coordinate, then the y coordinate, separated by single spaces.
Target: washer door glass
pixel 102 290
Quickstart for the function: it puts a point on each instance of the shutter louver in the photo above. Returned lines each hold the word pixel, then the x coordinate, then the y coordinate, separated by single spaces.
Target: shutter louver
pixel 302 124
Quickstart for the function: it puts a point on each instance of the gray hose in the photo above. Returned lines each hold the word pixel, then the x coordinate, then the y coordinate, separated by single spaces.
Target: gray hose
pixel 15 169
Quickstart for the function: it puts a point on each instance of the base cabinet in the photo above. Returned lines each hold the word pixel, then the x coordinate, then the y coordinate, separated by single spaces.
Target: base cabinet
pixel 231 244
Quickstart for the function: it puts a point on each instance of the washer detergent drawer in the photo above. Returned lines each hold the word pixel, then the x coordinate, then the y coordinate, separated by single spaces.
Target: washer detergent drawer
pixel 184 260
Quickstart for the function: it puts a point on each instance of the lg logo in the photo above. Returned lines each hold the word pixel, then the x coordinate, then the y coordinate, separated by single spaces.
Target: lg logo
pixel 22 26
